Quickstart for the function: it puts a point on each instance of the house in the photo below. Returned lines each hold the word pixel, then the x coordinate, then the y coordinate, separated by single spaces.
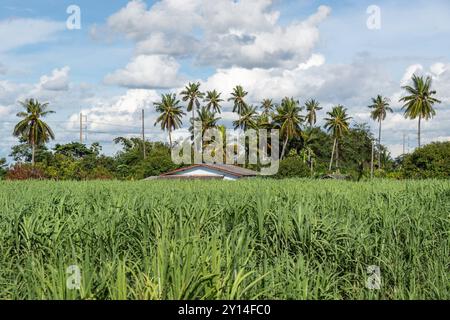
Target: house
pixel 208 172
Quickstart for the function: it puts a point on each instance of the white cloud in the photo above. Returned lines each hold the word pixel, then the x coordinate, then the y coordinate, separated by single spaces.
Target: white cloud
pixel 18 32
pixel 57 81
pixel 147 72
pixel 220 33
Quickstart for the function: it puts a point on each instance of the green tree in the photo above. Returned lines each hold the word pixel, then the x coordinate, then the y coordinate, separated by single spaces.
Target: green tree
pixel 213 101
pixel 288 119
pixel 238 98
pixel 32 127
pixel 170 114
pixel 192 95
pixel 207 118
pixel 380 108
pixel 312 106
pixel 419 101
pixel 337 124
pixel 248 118
pixel 267 106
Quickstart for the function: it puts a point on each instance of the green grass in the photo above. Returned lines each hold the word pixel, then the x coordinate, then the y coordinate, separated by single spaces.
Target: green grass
pixel 255 239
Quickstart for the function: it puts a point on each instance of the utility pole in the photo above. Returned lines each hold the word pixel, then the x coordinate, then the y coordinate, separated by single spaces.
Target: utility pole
pixel 371 162
pixel 83 127
pixel 143 132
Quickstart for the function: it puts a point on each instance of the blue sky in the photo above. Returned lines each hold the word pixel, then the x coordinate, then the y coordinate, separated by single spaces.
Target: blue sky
pixel 128 52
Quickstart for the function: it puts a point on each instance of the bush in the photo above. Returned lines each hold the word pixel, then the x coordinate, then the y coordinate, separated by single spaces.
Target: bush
pixel 293 167
pixel 430 161
pixel 25 172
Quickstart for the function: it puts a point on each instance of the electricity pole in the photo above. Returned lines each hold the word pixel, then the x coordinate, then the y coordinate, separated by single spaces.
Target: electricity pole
pixel 404 140
pixel 143 132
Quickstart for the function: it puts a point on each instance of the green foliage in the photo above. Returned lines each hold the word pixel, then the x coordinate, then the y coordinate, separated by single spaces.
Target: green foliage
pixel 252 239
pixel 3 166
pixel 430 161
pixel 293 167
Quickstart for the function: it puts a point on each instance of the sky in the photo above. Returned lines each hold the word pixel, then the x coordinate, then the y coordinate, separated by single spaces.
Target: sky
pixel 120 56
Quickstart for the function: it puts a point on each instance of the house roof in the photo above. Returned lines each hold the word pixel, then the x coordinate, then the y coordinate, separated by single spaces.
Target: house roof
pixel 225 168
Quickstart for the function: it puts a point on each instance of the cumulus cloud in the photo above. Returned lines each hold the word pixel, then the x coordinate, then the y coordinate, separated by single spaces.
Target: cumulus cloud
pixel 220 33
pixel 147 72
pixel 18 32
pixel 58 80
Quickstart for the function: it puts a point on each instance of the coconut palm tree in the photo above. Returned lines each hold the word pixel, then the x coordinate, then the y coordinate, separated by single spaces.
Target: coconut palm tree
pixel 267 106
pixel 192 95
pixel 337 124
pixel 288 119
pixel 248 118
pixel 207 118
pixel 213 101
pixel 31 127
pixel 170 114
pixel 380 107
pixel 237 96
pixel 419 101
pixel 312 106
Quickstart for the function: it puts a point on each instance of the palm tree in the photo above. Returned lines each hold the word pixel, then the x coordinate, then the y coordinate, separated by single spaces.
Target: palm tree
pixel 288 119
pixel 248 118
pixel 380 107
pixel 192 95
pixel 338 124
pixel 170 114
pixel 32 128
pixel 419 101
pixel 207 118
pixel 237 96
pixel 267 106
pixel 213 101
pixel 312 106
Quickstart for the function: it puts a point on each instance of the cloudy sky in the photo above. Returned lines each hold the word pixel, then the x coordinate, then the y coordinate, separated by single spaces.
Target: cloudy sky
pixel 126 53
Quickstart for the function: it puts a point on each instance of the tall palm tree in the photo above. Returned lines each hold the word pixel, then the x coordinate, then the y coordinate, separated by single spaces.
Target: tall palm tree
pixel 170 114
pixel 338 124
pixel 419 101
pixel 248 118
pixel 312 106
pixel 192 95
pixel 207 118
pixel 237 96
pixel 380 107
pixel 267 106
pixel 213 101
pixel 31 127
pixel 288 119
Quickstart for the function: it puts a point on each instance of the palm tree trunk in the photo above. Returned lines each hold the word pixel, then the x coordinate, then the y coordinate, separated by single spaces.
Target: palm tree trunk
pixel 379 145
pixel 33 153
pixel 284 148
pixel 170 139
pixel 332 155
pixel 337 154
pixel 418 131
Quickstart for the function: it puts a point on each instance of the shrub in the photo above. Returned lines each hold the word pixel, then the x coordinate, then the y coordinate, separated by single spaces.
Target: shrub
pixel 25 172
pixel 293 167
pixel 430 161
